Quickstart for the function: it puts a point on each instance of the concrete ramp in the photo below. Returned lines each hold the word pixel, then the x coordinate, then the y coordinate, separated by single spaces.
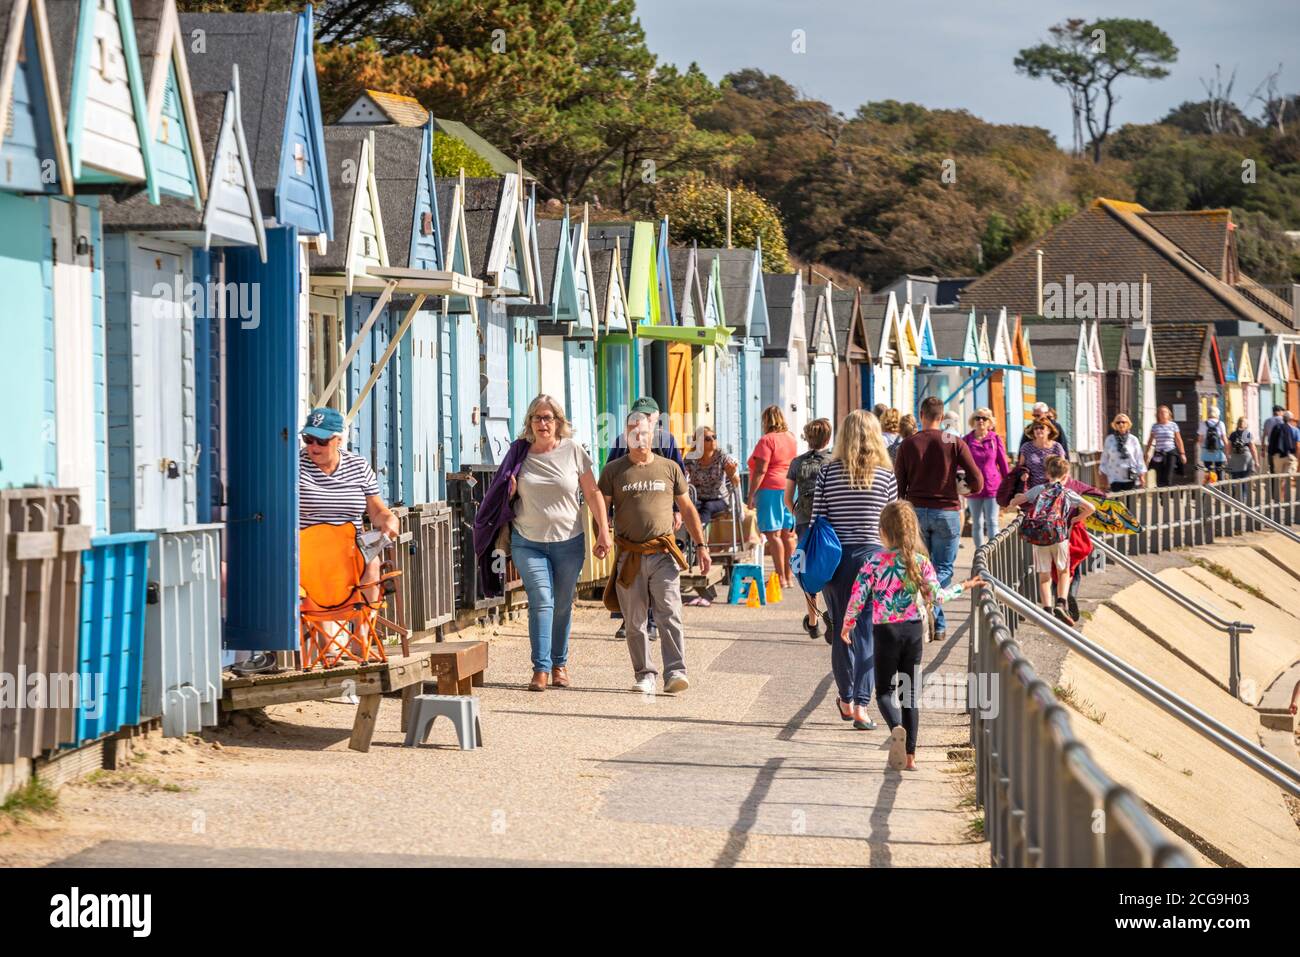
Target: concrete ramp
pixel 1192 786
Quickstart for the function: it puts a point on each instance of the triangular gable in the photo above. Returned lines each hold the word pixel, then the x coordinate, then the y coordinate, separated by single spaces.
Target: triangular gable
pixel 564 288
pixel 824 340
pixel 232 190
pixel 616 313
pixel 534 249
pixel 859 344
pixel 888 348
pixel 426 206
pixel 908 345
pixel 1215 360
pixel 971 347
pixel 1001 340
pixel 580 252
pixel 924 330
pixel 758 326
pixel 303 173
pixel 29 98
pixel 667 299
pixel 1096 362
pixel 640 268
pixel 1292 363
pixel 177 147
pixel 455 242
pixel 1245 369
pixel 984 352
pixel 109 141
pixel 518 256
pixel 1230 365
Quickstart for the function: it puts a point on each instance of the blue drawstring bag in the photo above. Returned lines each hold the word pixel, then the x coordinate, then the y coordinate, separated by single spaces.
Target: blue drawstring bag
pixel 817 555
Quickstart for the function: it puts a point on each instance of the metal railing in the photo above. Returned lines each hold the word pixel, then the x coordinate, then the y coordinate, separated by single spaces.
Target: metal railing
pixel 1042 792
pixel 1233 629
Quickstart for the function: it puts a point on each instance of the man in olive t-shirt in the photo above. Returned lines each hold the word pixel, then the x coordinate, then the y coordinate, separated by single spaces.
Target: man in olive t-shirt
pixel 642 488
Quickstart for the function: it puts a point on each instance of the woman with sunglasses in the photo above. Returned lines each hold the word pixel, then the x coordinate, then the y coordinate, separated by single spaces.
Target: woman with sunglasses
pixel 711 472
pixel 990 455
pixel 1122 461
pixel 337 486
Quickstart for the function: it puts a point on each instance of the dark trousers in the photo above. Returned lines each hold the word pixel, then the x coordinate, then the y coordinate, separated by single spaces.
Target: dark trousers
pixel 1165 470
pixel 1121 486
pixel 898 661
pixel 709 507
pixel 851 664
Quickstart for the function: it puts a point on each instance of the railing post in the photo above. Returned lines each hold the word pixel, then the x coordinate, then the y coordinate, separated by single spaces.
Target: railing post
pixel 1234 661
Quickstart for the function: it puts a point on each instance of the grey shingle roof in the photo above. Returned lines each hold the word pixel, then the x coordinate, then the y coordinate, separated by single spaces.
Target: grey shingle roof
pixel 842 314
pixel 736 275
pixel 602 266
pixel 780 310
pixel 604 235
pixel 679 259
pixel 949 334
pixel 482 205
pixel 342 153
pixel 173 213
pixel 874 310
pixel 63 16
pixel 263 46
pixel 550 234
pixel 397 179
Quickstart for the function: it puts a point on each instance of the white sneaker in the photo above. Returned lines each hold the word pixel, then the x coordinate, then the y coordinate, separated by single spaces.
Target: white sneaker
pixel 897 748
pixel 676 683
pixel 646 685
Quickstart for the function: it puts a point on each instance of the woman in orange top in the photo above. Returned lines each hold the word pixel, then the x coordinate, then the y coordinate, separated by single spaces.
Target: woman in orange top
pixel 768 464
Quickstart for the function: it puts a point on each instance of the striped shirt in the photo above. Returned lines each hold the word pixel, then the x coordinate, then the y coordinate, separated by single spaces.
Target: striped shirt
pixel 336 498
pixel 1163 433
pixel 854 513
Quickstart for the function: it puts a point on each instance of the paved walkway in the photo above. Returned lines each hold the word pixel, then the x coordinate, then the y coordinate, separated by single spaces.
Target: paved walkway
pixel 751 766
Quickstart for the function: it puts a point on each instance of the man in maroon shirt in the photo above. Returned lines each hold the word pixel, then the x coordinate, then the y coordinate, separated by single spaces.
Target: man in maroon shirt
pixel 926 468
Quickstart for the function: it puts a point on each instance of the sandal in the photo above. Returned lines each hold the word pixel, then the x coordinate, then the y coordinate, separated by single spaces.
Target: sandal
pixel 842 705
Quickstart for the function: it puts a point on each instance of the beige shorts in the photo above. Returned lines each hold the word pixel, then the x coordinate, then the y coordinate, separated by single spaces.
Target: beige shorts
pixel 1047 556
pixel 1284 464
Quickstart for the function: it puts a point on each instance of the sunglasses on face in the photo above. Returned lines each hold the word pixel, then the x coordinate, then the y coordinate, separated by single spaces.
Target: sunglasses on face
pixel 312 440
pixel 710 438
pixel 543 419
pixel 981 418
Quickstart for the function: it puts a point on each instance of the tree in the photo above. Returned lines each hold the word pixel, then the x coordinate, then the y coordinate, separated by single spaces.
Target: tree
pixel 697 212
pixel 451 155
pixel 1088 59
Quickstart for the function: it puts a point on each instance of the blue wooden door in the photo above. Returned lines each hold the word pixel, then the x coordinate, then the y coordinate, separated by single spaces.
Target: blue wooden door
pixel 520 377
pixel 448 435
pixel 262 511
pixel 420 411
pixel 496 395
pixel 469 392
pixel 375 423
pixel 27 388
pixel 752 400
pixel 580 384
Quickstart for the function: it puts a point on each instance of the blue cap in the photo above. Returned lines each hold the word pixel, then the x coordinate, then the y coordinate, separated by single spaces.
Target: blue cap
pixel 323 423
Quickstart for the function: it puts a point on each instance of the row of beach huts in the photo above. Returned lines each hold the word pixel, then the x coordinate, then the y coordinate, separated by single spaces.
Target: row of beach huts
pixel 191 258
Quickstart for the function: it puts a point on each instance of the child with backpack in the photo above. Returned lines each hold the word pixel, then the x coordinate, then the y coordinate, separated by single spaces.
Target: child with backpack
pixel 1054 508
pixel 900 582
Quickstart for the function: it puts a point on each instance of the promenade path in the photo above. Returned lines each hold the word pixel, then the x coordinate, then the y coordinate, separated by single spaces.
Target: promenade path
pixel 750 767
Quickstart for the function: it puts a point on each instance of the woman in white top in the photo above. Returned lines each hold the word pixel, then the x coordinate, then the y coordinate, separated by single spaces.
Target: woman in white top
pixel 1165 450
pixel 1122 461
pixel 546 538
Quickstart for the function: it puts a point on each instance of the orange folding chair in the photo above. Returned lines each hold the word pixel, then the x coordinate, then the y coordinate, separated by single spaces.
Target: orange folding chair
pixel 339 624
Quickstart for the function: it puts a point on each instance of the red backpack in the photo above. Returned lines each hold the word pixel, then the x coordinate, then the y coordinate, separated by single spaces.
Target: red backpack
pixel 1047 522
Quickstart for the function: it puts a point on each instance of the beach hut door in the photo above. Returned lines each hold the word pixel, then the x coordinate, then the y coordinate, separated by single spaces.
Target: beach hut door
pixel 74 377
pixel 162 391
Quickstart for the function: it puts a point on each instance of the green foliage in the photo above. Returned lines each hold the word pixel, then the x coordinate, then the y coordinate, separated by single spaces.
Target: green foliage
pixel 697 212
pixel 451 155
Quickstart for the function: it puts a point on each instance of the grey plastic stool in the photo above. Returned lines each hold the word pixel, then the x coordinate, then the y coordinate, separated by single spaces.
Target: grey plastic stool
pixel 461 709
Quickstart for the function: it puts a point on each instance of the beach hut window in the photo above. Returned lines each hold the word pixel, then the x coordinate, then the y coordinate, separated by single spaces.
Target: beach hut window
pixel 101 56
pixel 232 168
pixel 426 224
pixel 300 159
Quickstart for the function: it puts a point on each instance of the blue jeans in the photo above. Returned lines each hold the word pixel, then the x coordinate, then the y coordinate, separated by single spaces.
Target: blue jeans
pixel 853 665
pixel 941 533
pixel 983 519
pixel 550 574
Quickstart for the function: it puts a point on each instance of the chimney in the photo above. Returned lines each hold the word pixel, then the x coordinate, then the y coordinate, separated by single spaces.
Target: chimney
pixel 1039 253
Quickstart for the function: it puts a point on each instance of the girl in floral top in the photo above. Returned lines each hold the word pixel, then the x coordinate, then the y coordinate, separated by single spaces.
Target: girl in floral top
pixel 900 581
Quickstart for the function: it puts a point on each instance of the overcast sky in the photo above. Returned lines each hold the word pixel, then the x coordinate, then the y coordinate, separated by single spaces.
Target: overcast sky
pixel 959 53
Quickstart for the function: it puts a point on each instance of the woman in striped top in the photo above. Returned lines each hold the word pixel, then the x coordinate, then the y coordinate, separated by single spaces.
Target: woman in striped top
pixel 851 492
pixel 337 486
pixel 1165 450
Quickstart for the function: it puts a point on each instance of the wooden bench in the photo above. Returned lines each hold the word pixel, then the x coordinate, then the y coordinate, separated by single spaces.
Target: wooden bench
pixel 405 674
pixel 458 666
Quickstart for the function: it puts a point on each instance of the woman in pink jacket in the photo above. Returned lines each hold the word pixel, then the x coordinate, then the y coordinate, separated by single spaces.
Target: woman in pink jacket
pixel 990 455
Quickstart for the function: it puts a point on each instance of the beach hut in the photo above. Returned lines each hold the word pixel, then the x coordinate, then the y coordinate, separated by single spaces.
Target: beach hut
pixel 1292 376
pixel 1024 357
pixel 950 362
pixel 728 389
pixel 580 344
pixel 1071 379
pixel 498 234
pixel 1238 377
pixel 1142 355
pixel 164 268
pixel 560 308
pixel 1189 375
pixel 854 352
pixel 881 320
pixel 785 356
pixel 1006 382
pixel 614 344
pixel 823 351
pixel 1117 357
pixel 34 166
pixel 101 96
pixel 259 338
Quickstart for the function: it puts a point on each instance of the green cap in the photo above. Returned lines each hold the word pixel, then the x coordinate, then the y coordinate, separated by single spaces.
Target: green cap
pixel 645 405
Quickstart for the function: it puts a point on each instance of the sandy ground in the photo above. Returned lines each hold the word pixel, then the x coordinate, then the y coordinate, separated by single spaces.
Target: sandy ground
pixel 750 767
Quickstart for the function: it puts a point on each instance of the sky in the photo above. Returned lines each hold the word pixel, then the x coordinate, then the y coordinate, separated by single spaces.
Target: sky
pixel 958 53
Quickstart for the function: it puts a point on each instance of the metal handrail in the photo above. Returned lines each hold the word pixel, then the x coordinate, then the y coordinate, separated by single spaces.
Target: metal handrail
pixel 1233 629
pixel 1245 751
pixel 1253 513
